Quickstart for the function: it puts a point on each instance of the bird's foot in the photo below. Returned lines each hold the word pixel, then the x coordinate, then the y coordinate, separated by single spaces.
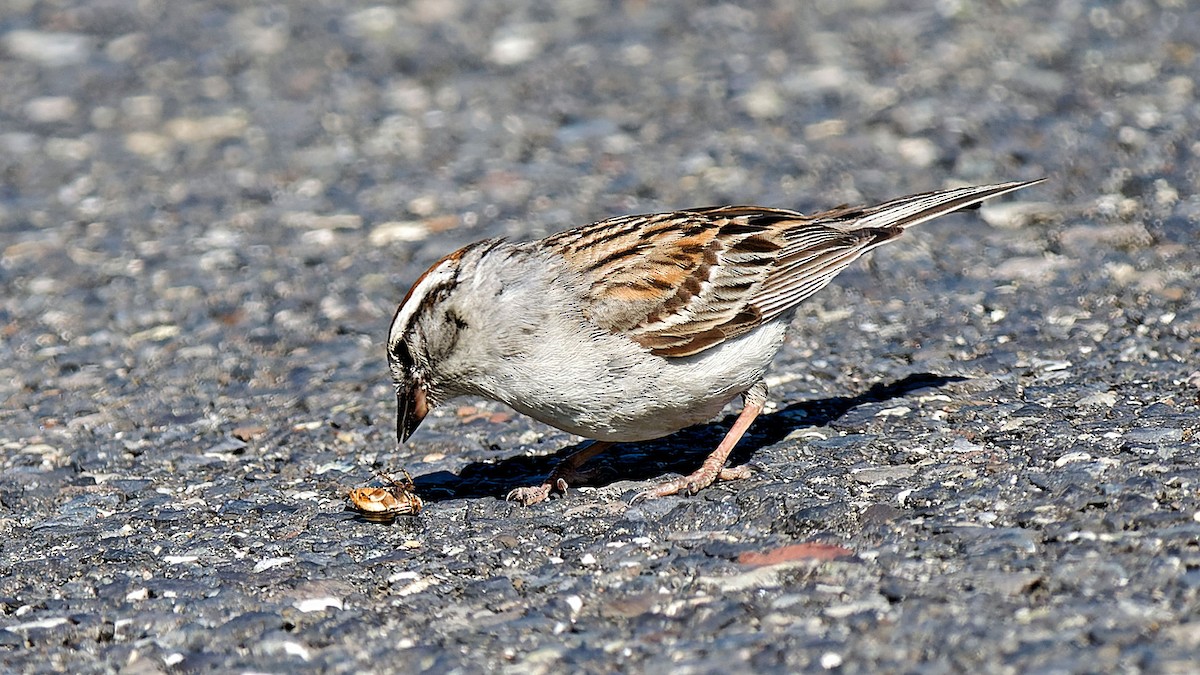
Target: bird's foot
pixel 694 482
pixel 533 494
pixel 566 473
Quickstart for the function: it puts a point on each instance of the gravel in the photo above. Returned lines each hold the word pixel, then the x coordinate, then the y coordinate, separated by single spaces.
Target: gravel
pixel 983 454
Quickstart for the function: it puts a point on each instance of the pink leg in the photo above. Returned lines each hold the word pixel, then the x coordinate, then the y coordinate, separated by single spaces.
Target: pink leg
pixel 714 465
pixel 564 473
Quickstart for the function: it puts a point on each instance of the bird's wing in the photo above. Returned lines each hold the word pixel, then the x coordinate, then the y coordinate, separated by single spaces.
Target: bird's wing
pixel 678 283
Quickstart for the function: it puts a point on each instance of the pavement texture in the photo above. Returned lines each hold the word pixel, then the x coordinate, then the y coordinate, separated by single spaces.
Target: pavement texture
pixel 982 455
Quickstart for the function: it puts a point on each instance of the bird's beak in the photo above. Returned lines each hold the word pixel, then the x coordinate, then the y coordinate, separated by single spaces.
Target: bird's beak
pixel 412 404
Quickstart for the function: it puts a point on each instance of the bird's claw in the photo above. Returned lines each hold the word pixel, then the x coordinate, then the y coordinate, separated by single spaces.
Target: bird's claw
pixel 528 496
pixel 692 483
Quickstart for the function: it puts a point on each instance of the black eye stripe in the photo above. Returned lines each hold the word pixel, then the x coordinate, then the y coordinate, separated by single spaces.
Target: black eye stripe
pixel 402 355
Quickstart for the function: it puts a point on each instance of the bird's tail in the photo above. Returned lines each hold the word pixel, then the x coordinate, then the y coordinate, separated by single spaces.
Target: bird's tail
pixel 906 212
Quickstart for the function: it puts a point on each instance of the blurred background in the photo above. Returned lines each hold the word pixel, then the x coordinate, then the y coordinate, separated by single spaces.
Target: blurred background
pixel 209 210
pixel 178 173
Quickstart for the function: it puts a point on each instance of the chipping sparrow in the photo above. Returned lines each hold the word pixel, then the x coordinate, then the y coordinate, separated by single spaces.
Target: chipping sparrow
pixel 634 327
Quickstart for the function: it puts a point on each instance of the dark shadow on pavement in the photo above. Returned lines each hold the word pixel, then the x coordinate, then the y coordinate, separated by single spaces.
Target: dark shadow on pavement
pixel 679 453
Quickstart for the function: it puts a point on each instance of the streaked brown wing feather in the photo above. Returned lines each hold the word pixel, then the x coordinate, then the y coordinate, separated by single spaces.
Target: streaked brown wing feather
pixel 678 283
pixel 689 290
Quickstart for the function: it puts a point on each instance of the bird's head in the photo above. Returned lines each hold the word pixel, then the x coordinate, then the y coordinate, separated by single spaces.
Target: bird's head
pixel 424 331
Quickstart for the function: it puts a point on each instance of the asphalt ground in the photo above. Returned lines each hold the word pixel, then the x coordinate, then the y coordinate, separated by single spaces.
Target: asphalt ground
pixel 982 455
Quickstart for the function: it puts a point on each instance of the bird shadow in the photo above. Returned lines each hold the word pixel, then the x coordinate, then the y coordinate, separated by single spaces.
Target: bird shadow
pixel 681 452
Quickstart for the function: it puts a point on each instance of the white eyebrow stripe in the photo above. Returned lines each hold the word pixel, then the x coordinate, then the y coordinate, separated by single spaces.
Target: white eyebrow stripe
pixel 438 275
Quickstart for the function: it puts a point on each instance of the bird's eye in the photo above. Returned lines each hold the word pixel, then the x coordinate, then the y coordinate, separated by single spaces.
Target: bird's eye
pixel 402 355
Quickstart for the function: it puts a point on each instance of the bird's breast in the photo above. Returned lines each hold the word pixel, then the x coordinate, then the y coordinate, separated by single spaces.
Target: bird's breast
pixel 606 387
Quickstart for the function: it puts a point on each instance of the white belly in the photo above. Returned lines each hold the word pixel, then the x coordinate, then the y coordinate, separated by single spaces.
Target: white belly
pixel 607 388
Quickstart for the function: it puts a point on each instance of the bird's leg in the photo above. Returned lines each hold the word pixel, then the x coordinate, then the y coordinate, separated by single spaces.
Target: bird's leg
pixel 565 473
pixel 714 465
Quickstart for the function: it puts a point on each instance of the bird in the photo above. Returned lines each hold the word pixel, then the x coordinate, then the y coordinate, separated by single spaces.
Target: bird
pixel 633 327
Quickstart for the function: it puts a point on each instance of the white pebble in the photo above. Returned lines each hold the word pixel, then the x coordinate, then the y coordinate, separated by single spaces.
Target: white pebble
pixel 48 49
pixel 317 604
pixel 574 602
pixel 46 109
